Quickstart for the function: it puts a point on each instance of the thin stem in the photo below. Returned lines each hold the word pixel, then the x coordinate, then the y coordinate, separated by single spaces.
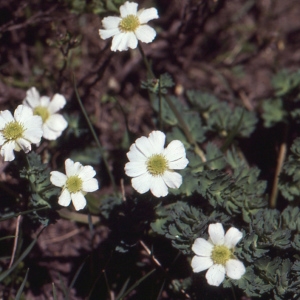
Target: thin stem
pixel 95 136
pixel 160 105
pixel 125 117
pixel 146 62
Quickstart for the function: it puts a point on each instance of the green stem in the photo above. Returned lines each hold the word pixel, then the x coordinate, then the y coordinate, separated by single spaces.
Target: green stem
pixel 125 118
pixel 95 136
pixel 146 62
pixel 160 105
pixel 23 213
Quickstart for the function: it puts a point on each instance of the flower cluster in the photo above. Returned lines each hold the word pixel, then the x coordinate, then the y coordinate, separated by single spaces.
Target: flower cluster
pixel 36 118
pixel 216 255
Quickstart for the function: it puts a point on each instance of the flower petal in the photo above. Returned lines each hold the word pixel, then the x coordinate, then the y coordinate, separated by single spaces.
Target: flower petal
pixel 158 187
pixel 145 33
pixel 142 183
pixel 232 237
pixel 157 140
pixel 199 263
pixel 64 198
pixel 145 15
pixel 123 43
pixel 235 269
pixel 135 154
pixel 111 22
pixel 202 247
pixel 128 8
pixel 45 100
pixel 7 151
pixel 78 200
pixel 35 132
pixel 71 167
pixel 57 122
pixel 90 185
pixel 32 98
pixel 132 40
pixel 23 113
pixel 175 151
pixel 119 42
pixel 50 134
pixel 57 102
pixel 178 164
pixel 135 168
pixel 216 233
pixel 215 275
pixel 143 145
pixel 57 178
pixel 107 33
pixel 5 117
pixel 2 139
pixel 86 173
pixel 172 179
pixel 24 144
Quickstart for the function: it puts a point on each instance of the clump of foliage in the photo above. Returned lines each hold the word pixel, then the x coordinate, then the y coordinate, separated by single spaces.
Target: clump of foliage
pixel 149 240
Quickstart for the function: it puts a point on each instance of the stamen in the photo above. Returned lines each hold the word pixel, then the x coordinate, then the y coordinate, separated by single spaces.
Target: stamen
pixel 42 112
pixel 74 184
pixel 129 23
pixel 13 131
pixel 157 165
pixel 220 254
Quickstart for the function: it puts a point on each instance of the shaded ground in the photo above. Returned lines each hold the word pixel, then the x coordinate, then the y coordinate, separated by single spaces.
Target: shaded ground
pixel 229 48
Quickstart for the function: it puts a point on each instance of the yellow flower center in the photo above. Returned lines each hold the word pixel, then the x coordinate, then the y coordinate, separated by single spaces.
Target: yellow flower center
pixel 13 131
pixel 157 164
pixel 129 23
pixel 74 184
pixel 42 112
pixel 220 254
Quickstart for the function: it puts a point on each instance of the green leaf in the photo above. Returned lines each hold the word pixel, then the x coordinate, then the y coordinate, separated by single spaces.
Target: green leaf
pixel 289 180
pixel 20 290
pixel 224 120
pixel 215 158
pixel 268 267
pixel 251 284
pixel 159 86
pixel 273 112
pixel 136 284
pixel 183 223
pixel 285 81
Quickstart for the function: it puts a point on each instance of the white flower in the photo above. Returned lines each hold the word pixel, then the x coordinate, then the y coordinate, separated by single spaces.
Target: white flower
pixel 75 184
pixel 216 255
pixel 130 27
pixel 19 131
pixel 53 124
pixel 151 165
